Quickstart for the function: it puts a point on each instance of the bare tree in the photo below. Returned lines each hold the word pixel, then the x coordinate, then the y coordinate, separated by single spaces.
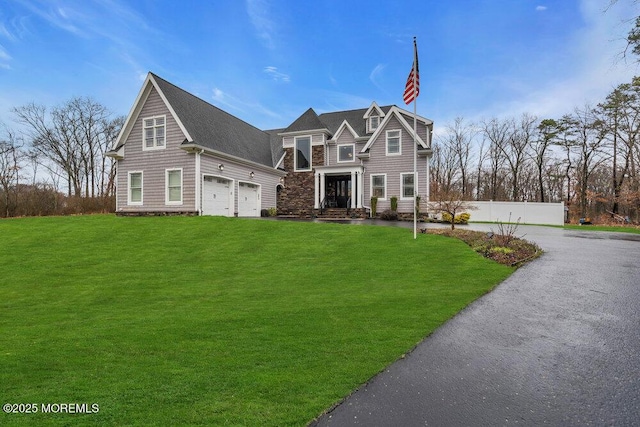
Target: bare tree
pixel 458 141
pixel 497 133
pixel 74 137
pixel 10 156
pixel 452 203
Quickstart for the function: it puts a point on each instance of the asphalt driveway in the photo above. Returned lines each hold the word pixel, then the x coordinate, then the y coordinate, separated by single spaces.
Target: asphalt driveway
pixel 557 343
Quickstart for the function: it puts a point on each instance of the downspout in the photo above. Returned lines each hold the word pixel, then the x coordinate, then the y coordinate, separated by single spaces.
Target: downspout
pixel 364 185
pixel 198 183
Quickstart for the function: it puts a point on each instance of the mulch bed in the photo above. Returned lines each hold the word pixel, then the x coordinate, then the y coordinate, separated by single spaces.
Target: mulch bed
pixel 505 249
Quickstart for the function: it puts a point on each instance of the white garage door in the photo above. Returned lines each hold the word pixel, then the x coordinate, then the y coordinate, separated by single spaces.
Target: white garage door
pixel 216 195
pixel 248 200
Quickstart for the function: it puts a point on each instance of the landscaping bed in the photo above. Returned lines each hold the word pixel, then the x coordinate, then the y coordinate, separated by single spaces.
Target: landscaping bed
pixel 505 249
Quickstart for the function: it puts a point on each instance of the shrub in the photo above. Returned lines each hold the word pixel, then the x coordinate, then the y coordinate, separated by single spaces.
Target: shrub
pixel 389 215
pixel 394 203
pixel 374 206
pixel 273 212
pixel 463 218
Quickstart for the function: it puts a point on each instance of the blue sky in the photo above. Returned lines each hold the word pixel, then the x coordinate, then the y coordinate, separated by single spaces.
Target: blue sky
pixel 267 61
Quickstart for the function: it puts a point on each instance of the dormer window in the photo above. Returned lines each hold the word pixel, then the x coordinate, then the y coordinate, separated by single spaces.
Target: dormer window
pixel 154 132
pixel 374 122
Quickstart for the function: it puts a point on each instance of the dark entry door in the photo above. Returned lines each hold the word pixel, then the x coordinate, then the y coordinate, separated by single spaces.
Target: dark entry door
pixel 338 191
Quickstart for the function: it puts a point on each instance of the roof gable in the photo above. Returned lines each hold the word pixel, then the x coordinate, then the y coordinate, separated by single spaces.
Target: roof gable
pixel 395 112
pixel 345 125
pixel 373 110
pixel 146 89
pixel 204 124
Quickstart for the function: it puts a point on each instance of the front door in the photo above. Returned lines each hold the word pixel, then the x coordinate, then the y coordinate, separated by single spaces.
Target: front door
pixel 338 191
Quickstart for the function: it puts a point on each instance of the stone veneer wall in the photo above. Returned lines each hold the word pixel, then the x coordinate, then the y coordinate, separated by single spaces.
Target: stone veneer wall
pixel 296 198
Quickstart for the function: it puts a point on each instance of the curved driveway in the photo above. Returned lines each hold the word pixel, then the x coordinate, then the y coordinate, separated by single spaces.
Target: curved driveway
pixel 557 343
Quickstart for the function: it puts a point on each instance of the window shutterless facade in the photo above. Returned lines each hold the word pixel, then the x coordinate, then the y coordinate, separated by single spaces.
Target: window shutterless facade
pixel 173 195
pixel 393 143
pixel 154 132
pixel 135 188
pixel 379 186
pixel 345 153
pixel 302 155
pixel 408 185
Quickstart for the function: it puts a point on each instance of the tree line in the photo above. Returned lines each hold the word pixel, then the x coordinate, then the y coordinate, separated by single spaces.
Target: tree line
pixel 588 158
pixel 56 163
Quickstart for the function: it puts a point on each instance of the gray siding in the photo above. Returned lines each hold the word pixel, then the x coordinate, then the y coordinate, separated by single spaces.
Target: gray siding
pixel 153 163
pixel 393 166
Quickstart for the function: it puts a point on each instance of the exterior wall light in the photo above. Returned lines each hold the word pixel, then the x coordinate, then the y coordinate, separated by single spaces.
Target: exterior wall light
pixel 221 167
pixel 251 175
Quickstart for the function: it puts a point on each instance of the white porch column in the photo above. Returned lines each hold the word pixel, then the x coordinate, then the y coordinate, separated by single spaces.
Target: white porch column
pixel 360 189
pixel 316 190
pixel 322 190
pixel 353 188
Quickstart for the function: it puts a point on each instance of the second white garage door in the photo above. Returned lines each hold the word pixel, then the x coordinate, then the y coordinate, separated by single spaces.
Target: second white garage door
pixel 248 199
pixel 216 196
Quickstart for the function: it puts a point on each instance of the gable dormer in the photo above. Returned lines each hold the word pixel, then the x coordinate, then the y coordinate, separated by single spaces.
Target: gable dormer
pixel 373 117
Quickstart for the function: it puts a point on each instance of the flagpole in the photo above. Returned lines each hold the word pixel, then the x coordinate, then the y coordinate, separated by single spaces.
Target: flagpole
pixel 415 146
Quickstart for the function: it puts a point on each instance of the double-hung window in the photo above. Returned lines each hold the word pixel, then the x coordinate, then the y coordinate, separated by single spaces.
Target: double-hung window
pixel 135 188
pixel 393 142
pixel 379 186
pixel 154 132
pixel 174 187
pixel 408 185
pixel 302 156
pixel 345 153
pixel 374 121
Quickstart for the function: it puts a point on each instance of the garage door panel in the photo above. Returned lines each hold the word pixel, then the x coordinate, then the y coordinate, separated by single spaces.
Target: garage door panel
pixel 216 196
pixel 248 199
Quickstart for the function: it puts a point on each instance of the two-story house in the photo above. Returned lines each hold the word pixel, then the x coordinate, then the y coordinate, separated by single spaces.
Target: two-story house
pixel 177 154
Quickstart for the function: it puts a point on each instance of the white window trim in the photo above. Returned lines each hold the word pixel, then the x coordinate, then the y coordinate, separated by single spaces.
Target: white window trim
pixel 385 185
pixel 166 187
pixel 353 153
pixel 155 142
pixel 295 153
pixel 129 201
pixel 399 153
pixel 370 123
pixel 415 181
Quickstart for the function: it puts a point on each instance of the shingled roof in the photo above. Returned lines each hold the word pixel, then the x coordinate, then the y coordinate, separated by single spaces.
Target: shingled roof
pixel 309 120
pixel 216 129
pixel 332 121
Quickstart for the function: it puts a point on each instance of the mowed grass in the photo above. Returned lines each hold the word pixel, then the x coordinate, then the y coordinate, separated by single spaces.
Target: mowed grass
pixel 215 321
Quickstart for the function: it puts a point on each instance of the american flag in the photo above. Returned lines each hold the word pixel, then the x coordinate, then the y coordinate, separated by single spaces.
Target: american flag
pixel 412 88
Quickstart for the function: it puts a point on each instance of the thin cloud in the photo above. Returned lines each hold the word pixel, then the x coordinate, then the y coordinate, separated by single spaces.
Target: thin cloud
pixel 260 16
pixel 237 104
pixel 541 8
pixel 276 75
pixel 5 58
pixel 6 33
pixel 375 75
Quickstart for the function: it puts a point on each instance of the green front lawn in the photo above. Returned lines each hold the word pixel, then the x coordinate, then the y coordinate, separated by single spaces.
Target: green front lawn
pixel 617 228
pixel 215 321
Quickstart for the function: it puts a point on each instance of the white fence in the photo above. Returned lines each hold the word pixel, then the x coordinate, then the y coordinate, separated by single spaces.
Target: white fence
pixel 526 212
